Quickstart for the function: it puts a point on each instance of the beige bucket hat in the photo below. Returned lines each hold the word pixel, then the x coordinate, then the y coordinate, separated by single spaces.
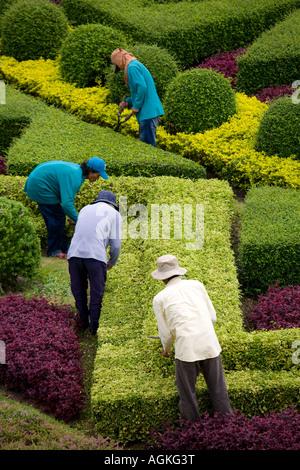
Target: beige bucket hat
pixel 167 266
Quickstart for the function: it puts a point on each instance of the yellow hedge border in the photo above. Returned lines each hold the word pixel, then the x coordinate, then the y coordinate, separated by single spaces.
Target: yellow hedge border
pixel 228 150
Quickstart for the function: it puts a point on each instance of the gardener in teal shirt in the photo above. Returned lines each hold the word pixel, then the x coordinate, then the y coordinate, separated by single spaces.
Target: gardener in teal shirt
pixel 53 186
pixel 144 99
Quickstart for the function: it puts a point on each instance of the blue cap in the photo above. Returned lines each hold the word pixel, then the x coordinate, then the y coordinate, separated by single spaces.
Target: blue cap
pixel 97 164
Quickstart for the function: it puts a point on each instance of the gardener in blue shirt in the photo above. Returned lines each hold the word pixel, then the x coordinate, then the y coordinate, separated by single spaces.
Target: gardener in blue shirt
pixel 98 227
pixel 144 99
pixel 53 186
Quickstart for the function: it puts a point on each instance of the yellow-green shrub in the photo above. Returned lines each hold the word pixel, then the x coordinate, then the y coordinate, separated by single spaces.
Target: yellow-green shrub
pixel 228 150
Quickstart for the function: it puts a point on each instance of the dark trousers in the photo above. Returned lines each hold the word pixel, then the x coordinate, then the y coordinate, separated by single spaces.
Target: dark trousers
pixel 55 220
pixel 81 271
pixel 186 374
pixel 147 131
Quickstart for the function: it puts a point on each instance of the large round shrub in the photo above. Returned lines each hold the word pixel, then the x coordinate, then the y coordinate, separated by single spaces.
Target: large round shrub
pixel 31 29
pixel 278 132
pixel 198 100
pixel 19 244
pixel 160 63
pixel 85 54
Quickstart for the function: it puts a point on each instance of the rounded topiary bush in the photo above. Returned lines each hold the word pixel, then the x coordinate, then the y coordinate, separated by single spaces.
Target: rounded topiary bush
pixel 19 243
pixel 160 63
pixel 198 100
pixel 31 29
pixel 278 132
pixel 85 53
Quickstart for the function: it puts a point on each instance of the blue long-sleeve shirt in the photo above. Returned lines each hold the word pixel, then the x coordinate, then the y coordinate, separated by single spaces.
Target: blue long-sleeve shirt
pixel 144 96
pixel 56 182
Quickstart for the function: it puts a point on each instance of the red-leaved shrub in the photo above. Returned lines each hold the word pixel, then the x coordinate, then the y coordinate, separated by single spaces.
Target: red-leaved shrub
pixel 2 166
pixel 278 308
pixel 276 431
pixel 273 92
pixel 42 354
pixel 224 62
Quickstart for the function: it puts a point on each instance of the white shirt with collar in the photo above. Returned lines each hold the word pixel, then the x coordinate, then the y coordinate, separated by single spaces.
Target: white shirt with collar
pixel 185 313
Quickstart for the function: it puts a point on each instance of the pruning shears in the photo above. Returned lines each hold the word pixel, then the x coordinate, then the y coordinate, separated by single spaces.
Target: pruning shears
pixel 121 109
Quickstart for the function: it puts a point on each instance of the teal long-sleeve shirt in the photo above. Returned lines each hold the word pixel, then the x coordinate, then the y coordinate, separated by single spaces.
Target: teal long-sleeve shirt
pixel 144 96
pixel 55 182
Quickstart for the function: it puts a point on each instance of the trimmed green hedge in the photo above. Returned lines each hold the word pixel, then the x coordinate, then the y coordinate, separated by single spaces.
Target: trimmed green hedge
pixel 198 100
pixel 279 129
pixel 190 30
pixel 12 124
pixel 85 53
pixel 274 59
pixel 133 385
pixel 33 29
pixel 56 135
pixel 269 244
pixel 19 243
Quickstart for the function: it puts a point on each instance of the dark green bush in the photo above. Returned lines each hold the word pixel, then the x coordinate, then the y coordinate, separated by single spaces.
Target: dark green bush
pixel 11 125
pixel 274 59
pixel 4 4
pixel 198 100
pixel 19 243
pixel 279 129
pixel 160 63
pixel 269 244
pixel 85 53
pixel 31 29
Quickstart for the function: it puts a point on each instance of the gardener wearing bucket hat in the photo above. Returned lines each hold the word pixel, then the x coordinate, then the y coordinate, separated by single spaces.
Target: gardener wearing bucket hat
pixel 98 226
pixel 53 186
pixel 185 313
pixel 144 100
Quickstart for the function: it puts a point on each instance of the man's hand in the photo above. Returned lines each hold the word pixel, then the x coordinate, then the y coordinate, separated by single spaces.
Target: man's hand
pixel 165 353
pixel 123 105
pixel 71 222
pixel 109 266
pixel 135 111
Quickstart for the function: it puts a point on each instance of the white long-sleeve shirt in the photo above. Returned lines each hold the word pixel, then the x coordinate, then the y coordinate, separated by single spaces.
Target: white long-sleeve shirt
pixel 185 314
pixel 98 226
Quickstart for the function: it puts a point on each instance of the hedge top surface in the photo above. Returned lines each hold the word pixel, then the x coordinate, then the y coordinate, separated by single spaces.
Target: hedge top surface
pixel 277 42
pixel 271 216
pixel 56 135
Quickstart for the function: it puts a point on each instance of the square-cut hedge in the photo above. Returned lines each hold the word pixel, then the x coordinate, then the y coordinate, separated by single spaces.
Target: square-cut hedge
pixel 190 30
pixel 134 386
pixel 274 59
pixel 11 125
pixel 269 244
pixel 56 135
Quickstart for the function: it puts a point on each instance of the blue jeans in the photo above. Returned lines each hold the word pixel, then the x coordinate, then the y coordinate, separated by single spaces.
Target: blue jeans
pixel 55 220
pixel 147 131
pixel 81 271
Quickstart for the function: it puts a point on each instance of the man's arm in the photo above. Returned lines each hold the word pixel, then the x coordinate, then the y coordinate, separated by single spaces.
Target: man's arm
pixel 165 333
pixel 115 241
pixel 138 85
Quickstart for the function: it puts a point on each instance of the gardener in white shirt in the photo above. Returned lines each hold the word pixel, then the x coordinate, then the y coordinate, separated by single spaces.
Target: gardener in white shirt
pixel 98 226
pixel 185 313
